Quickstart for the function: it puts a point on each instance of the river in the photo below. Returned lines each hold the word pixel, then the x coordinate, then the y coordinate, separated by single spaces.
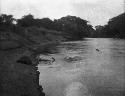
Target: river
pixel 91 67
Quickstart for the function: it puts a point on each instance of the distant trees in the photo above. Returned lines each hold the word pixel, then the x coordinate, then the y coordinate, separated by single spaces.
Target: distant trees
pixel 104 32
pixel 7 22
pixel 74 27
pixel 26 21
pixel 6 19
pixel 29 20
pixel 114 29
pixel 117 24
pixel 45 22
pixel 71 27
pixel 100 31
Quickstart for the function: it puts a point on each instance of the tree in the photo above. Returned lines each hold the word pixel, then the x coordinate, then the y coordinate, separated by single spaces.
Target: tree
pixel 6 19
pixel 45 22
pixel 73 26
pixel 26 21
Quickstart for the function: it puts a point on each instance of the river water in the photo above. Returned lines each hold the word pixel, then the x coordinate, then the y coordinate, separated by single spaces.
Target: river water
pixel 91 67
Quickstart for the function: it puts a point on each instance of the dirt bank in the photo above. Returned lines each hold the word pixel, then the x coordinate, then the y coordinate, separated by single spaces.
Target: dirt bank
pixel 18 78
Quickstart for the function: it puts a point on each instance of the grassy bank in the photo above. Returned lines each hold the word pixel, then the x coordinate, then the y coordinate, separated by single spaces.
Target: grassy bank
pixel 20 77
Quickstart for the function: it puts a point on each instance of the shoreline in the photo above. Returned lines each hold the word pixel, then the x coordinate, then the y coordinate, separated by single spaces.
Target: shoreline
pixel 18 79
pixel 18 64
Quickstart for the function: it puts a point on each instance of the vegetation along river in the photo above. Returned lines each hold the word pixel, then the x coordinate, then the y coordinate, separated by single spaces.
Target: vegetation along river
pixel 91 67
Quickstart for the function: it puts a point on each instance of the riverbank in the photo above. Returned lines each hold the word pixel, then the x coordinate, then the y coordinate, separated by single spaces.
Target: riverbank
pixel 18 79
pixel 19 75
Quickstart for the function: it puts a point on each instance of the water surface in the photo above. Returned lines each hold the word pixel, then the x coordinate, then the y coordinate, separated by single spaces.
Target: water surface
pixel 97 69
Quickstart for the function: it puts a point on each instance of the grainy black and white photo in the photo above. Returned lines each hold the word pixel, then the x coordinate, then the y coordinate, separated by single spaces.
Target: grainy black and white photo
pixel 62 47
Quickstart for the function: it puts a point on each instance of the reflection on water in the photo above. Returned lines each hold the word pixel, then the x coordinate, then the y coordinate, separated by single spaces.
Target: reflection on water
pixel 99 71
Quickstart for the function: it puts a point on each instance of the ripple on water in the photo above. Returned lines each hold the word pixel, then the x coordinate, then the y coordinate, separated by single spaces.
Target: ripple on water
pixel 76 89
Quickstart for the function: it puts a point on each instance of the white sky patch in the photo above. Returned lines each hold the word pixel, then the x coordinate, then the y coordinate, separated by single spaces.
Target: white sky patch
pixel 95 11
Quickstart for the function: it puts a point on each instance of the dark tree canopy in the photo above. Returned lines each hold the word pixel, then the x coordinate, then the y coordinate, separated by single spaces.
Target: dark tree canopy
pixel 71 27
pixel 26 21
pixel 114 29
pixel 6 19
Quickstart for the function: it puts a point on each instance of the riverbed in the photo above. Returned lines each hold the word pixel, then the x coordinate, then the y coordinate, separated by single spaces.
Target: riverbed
pixel 90 67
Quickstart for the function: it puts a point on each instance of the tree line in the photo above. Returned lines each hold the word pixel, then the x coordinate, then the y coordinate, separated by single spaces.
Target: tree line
pixel 115 28
pixel 72 27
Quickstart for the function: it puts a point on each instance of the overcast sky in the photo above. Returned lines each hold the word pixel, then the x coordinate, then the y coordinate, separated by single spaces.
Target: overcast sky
pixel 95 11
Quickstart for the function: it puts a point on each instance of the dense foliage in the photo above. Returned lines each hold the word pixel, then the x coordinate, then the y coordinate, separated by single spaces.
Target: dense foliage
pixel 71 27
pixel 114 29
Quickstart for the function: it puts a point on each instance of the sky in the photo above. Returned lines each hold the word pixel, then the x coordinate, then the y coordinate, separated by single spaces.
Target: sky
pixel 98 12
